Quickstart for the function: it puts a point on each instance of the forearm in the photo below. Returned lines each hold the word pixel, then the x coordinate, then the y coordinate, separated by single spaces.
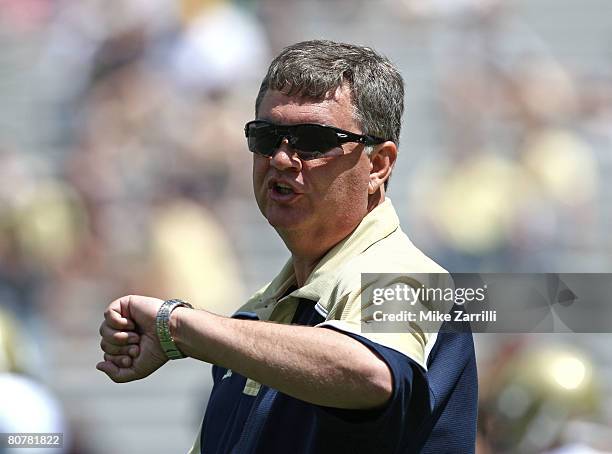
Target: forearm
pixel 316 365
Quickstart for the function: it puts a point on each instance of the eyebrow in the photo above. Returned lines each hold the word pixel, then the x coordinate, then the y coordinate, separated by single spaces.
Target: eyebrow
pixel 311 122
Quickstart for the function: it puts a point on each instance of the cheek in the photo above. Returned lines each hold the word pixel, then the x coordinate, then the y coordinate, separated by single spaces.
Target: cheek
pixel 353 188
pixel 341 185
pixel 260 167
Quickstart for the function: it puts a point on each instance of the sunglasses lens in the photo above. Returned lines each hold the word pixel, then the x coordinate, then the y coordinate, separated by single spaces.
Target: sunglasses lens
pixel 262 138
pixel 310 141
pixel 314 139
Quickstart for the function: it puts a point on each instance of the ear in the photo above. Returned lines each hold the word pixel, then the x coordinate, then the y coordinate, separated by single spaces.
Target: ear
pixel 382 161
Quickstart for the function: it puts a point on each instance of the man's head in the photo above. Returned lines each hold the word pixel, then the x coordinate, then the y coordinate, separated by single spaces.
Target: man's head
pixel 313 69
pixel 341 85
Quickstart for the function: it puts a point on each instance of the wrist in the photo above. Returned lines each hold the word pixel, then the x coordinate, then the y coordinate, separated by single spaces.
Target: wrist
pixel 163 321
pixel 194 333
pixel 174 326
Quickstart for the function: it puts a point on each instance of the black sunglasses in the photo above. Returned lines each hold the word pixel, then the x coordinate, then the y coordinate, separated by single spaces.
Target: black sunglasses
pixel 309 140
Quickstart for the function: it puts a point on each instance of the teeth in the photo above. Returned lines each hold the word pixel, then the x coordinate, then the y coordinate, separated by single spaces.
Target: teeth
pixel 283 188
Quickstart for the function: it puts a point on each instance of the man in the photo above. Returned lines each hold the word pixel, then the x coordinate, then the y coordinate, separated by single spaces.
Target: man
pixel 310 381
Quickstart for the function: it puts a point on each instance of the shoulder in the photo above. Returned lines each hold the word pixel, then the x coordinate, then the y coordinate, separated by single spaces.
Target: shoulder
pixel 394 255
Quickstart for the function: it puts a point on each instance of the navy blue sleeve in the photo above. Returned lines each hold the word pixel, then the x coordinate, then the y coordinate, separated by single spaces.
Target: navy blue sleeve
pixel 400 419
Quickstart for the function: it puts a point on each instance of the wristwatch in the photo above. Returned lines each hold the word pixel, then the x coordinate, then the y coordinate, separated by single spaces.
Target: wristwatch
pixel 162 322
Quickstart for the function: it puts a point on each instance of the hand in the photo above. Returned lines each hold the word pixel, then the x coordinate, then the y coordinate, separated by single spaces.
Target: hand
pixel 129 339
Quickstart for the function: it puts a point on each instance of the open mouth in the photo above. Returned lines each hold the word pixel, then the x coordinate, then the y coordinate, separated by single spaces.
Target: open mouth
pixel 283 189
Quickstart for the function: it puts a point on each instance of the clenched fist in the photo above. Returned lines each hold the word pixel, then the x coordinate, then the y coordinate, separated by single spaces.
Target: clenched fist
pixel 129 339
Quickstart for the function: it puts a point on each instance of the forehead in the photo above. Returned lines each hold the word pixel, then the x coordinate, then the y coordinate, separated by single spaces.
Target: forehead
pixel 335 110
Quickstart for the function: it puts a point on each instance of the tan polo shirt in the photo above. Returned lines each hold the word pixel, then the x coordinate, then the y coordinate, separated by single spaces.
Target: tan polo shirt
pixel 377 245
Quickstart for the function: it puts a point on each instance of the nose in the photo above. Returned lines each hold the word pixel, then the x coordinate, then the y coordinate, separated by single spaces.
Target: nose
pixel 285 157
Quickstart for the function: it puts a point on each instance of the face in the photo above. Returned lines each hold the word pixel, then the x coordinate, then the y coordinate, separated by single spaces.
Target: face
pixel 328 196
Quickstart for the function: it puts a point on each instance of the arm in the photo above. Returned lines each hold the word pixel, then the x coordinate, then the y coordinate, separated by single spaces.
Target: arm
pixel 317 365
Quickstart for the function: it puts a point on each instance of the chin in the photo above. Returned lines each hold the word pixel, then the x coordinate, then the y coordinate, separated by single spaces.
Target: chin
pixel 285 218
pixel 284 223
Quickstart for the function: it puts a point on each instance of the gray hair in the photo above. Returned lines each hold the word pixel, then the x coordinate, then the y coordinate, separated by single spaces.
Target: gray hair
pixel 313 68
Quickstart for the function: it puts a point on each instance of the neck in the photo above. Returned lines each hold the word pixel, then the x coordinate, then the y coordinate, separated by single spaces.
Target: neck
pixel 303 266
pixel 308 248
pixel 306 254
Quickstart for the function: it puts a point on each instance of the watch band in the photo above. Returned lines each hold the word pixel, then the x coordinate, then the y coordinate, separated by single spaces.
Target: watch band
pixel 162 322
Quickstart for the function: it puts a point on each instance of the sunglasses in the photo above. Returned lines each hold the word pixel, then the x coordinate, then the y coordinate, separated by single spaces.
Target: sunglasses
pixel 309 140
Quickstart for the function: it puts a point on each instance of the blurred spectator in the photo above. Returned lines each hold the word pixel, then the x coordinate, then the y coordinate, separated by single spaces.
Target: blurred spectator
pixel 221 47
pixel 26 406
pixel 191 257
pixel 472 204
pixel 533 393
